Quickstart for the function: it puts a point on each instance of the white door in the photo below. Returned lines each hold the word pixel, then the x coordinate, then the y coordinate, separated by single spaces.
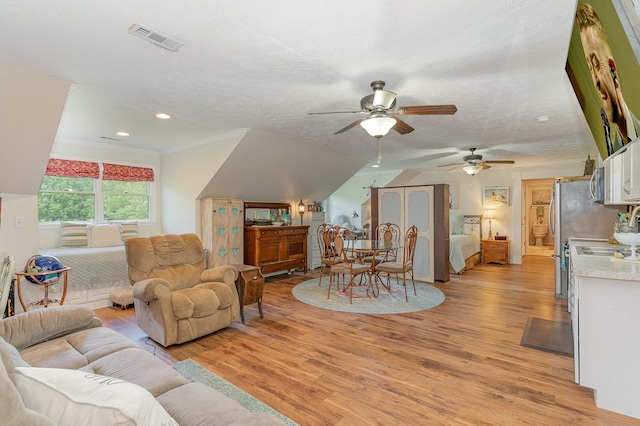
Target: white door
pixel 407 207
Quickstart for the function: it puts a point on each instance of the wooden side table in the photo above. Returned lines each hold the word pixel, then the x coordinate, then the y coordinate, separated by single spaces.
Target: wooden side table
pixel 495 251
pixel 249 284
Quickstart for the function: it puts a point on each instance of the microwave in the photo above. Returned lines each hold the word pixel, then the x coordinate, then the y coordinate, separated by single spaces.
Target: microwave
pixel 596 185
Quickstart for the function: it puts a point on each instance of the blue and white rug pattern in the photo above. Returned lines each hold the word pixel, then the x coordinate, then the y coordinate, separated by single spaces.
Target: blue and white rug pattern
pixel 387 302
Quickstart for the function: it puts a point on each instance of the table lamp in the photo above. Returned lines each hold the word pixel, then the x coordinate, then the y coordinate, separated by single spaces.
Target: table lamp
pixel 490 214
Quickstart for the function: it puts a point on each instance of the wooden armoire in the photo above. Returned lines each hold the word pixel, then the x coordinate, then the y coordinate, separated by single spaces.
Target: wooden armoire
pixel 426 207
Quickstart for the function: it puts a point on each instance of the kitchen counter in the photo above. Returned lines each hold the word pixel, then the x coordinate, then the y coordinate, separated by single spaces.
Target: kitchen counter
pixel 602 266
pixel 603 302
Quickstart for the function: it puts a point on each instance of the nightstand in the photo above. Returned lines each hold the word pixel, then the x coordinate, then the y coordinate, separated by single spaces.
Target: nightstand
pixel 249 284
pixel 495 251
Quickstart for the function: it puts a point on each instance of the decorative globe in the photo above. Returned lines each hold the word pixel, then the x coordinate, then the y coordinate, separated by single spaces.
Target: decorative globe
pixel 41 263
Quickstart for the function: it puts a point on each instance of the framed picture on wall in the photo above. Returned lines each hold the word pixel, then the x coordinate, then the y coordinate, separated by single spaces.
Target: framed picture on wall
pixel 497 196
pixel 540 196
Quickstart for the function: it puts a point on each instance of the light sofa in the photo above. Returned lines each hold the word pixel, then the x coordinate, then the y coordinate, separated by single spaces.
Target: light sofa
pixel 61 363
pixel 176 298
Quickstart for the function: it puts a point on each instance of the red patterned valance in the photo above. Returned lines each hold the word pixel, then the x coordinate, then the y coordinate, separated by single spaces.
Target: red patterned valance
pixel 69 168
pixel 127 173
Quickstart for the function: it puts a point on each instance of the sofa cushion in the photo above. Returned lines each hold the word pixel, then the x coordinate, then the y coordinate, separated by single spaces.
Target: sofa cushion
pixel 77 349
pixel 41 325
pixel 65 396
pixel 225 294
pixel 194 303
pixel 10 357
pixel 14 412
pixel 139 367
pixel 198 404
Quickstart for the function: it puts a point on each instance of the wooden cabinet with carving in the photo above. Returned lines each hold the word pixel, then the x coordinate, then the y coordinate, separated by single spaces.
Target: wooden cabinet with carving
pixel 222 231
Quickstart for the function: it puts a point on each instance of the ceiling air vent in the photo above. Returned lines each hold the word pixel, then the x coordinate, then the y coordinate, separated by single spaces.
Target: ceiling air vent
pixel 155 37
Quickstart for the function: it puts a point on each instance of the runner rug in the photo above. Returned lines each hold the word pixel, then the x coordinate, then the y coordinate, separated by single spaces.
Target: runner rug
pixel 194 372
pixel 549 336
pixel 387 302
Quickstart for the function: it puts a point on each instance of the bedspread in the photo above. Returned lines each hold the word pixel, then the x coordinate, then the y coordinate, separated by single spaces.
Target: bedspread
pixel 461 247
pixel 93 267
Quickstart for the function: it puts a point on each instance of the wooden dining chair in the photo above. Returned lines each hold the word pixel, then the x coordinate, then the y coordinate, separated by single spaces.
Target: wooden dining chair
pixel 326 234
pixel 347 263
pixel 389 234
pixel 405 266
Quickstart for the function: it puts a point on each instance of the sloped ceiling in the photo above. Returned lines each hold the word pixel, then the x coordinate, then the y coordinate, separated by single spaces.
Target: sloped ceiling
pixel 274 168
pixel 31 105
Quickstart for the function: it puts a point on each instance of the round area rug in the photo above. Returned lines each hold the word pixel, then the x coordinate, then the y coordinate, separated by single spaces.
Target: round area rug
pixel 386 303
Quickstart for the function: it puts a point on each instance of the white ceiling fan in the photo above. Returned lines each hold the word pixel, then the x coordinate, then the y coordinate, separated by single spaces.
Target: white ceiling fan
pixel 473 163
pixel 381 111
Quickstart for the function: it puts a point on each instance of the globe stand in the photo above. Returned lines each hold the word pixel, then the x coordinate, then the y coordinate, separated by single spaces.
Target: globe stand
pixel 45 301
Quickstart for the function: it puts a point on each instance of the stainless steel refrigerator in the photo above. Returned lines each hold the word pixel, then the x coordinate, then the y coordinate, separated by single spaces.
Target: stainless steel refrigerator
pixel 573 213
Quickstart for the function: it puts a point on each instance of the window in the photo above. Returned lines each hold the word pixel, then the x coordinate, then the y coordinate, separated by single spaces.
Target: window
pixel 66 198
pixel 125 200
pixel 87 191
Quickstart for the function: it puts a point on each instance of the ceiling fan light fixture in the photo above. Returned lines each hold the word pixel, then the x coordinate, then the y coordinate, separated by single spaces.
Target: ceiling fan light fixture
pixel 472 169
pixel 378 126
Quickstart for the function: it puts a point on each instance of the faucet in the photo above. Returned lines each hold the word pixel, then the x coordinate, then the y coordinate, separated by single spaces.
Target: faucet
pixel 632 219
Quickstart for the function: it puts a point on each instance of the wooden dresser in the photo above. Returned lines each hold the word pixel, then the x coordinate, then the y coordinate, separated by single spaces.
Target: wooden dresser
pixel 276 248
pixel 495 251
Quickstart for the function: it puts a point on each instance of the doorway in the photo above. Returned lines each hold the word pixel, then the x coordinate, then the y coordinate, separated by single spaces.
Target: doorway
pixel 536 201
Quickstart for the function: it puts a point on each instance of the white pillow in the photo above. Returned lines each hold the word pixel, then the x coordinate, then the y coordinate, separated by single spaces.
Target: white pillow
pixel 104 235
pixel 73 234
pixel 72 397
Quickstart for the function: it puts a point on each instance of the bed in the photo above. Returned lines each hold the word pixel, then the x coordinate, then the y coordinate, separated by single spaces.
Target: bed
pixel 95 272
pixel 464 247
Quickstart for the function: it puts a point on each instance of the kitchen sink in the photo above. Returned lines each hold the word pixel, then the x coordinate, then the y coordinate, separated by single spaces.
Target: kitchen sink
pixel 602 251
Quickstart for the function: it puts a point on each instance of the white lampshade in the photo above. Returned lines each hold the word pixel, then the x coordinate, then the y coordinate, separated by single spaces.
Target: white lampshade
pixel 490 214
pixel 378 126
pixel 472 169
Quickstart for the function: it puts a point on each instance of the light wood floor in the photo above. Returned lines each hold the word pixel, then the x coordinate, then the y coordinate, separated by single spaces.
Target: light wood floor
pixel 460 363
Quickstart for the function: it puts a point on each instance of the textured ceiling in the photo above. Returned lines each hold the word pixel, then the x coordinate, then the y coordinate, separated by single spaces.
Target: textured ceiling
pixel 265 65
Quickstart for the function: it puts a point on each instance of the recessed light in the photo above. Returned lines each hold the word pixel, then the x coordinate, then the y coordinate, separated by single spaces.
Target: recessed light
pixel 123 133
pixel 163 116
pixel 543 118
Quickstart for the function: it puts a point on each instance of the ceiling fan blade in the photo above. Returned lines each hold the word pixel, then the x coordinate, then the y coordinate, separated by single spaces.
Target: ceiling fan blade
pixel 500 161
pixel 350 126
pixel 335 112
pixel 402 127
pixel 485 166
pixel 451 165
pixel 427 110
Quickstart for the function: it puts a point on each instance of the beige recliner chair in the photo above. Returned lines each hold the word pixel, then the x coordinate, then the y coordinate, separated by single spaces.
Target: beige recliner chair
pixel 175 297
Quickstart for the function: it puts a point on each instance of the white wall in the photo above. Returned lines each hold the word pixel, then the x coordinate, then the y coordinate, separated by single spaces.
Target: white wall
pixel 21 243
pixel 467 194
pixel 184 175
pixel 354 192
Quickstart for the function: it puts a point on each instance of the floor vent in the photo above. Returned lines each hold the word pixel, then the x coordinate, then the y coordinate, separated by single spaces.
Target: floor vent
pixel 155 37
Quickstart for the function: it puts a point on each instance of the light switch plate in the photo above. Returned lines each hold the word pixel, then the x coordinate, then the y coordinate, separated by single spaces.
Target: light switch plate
pixel 18 222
